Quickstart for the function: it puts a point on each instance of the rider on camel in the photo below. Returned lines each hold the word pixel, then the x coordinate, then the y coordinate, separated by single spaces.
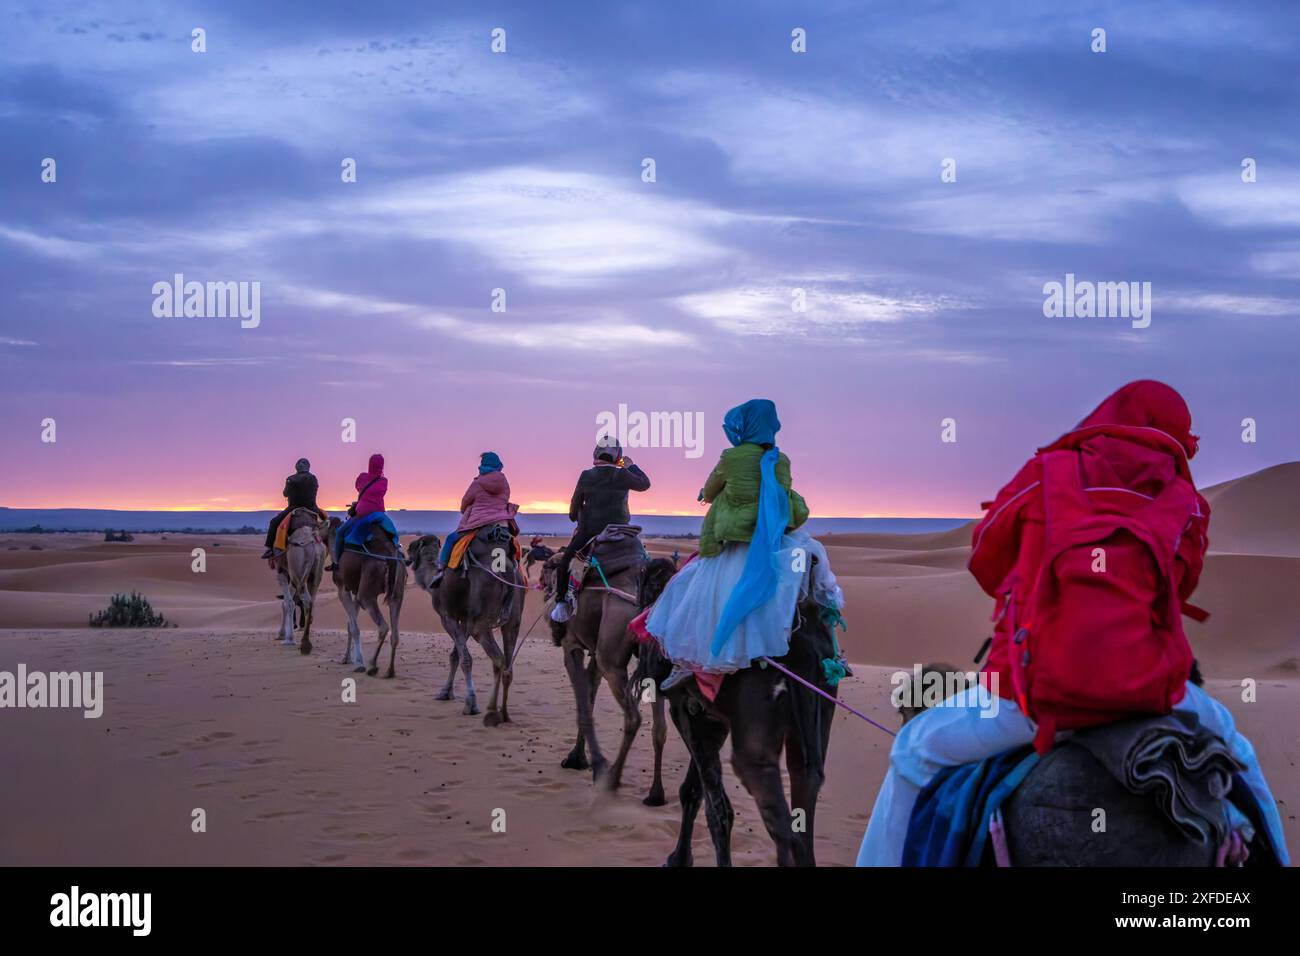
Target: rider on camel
pixel 371 487
pixel 300 488
pixel 599 500
pixel 486 502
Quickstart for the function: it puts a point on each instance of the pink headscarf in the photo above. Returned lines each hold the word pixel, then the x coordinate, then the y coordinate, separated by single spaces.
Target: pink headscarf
pixel 1150 404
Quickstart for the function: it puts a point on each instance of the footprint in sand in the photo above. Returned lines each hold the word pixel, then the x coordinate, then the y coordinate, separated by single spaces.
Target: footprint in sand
pixel 277 814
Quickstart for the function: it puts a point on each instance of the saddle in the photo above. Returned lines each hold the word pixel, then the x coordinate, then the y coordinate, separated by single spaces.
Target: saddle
pixel 500 533
pixel 616 549
pixel 1171 760
pixel 367 528
pixel 285 527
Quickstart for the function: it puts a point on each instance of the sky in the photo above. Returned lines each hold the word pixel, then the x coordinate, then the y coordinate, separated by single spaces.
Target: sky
pixel 524 171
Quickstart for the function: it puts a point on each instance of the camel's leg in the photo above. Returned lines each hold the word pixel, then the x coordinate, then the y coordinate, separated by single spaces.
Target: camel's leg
pixel 704 738
pixel 308 606
pixel 376 615
pixel 343 603
pixel 509 641
pixel 467 666
pixel 286 608
pixel 659 731
pixel 755 756
pixel 353 653
pixel 689 795
pixel 394 610
pixel 489 644
pixel 805 784
pixel 614 668
pixel 453 661
pixel 577 758
pixel 583 681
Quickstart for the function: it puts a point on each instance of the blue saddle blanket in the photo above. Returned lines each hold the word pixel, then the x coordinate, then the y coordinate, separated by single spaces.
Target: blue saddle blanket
pixel 950 822
pixel 359 530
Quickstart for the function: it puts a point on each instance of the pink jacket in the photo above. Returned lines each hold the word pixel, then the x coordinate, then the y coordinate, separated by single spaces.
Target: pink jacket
pixel 486 501
pixel 373 499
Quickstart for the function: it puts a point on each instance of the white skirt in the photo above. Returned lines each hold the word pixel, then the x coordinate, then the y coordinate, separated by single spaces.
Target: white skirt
pixel 686 614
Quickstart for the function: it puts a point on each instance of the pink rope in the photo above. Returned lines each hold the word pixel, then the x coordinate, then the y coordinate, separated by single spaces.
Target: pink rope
pixel 817 690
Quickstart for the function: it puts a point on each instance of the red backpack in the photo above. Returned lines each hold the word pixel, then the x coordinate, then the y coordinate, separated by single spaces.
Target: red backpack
pixel 1091 622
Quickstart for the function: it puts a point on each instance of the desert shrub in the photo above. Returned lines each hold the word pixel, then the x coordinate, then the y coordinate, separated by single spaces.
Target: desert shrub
pixel 131 610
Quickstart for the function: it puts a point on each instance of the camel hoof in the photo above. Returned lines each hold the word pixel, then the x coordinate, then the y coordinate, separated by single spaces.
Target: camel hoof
pixel 471 708
pixel 390 675
pixel 305 648
pixel 599 772
pixel 372 671
pixel 575 762
pixel 444 695
pixel 491 719
pixel 359 669
pixel 655 798
pixel 674 860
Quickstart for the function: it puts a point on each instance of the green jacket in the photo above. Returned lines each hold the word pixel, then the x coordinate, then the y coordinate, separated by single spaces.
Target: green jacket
pixel 732 492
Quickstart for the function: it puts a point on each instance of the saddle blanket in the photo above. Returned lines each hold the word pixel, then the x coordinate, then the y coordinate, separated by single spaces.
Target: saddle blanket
pixel 362 528
pixel 462 545
pixel 282 532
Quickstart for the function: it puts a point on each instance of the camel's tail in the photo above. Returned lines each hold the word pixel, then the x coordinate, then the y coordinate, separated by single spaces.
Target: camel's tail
pixel 396 585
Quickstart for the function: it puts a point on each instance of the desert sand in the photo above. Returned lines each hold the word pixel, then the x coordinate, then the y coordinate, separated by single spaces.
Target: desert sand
pixel 213 714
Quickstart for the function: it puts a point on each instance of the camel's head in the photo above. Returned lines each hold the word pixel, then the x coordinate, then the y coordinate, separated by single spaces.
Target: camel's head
pixel 549 567
pixel 652 580
pixel 422 557
pixel 911 699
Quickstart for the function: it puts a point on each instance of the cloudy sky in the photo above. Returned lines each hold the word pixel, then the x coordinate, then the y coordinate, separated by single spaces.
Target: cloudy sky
pixel 523 171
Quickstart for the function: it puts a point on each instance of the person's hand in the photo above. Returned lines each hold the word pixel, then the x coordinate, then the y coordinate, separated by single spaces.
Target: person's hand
pixel 625 461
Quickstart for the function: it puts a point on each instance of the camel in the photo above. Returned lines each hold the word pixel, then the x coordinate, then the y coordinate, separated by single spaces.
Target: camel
pixel 763 712
pixel 299 572
pixel 487 592
pixel 1048 819
pixel 361 581
pixel 599 628
pixel 538 554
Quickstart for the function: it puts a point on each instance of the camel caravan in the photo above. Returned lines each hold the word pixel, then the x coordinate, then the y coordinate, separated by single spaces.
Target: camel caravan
pixel 1084 739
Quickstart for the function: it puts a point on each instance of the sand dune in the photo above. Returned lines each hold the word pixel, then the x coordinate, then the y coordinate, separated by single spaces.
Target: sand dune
pixel 214 714
pixel 1257 514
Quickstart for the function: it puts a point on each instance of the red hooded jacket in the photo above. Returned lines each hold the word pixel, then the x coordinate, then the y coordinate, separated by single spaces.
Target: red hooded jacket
pixel 372 498
pixel 1137 440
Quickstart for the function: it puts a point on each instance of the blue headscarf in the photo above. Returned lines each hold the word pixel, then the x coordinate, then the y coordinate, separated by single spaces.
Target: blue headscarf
pixel 489 462
pixel 756 422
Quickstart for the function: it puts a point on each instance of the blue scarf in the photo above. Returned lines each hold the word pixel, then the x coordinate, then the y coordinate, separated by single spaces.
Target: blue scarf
pixel 489 462
pixel 756 422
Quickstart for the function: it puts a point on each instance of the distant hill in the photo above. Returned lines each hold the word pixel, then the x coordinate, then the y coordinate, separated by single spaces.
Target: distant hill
pixel 1257 513
pixel 410 522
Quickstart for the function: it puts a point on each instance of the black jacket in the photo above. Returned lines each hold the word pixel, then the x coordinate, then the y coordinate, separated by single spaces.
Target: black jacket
pixel 301 489
pixel 600 498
